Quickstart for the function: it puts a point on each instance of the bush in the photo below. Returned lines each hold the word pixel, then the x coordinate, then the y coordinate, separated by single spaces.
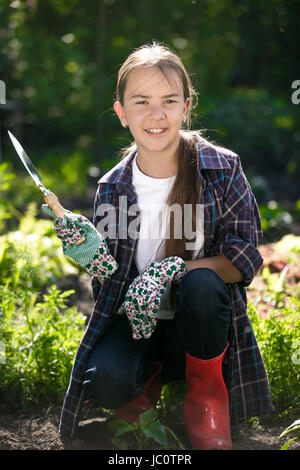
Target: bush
pixel 40 341
pixel 262 128
pixel 33 250
pixel 7 209
pixel 39 335
pixel 273 216
pixel 278 336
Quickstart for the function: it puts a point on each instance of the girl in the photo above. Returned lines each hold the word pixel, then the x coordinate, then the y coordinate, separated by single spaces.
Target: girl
pixel 201 334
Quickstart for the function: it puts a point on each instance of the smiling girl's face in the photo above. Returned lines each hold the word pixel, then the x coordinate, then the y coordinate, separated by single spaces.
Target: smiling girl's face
pixel 154 109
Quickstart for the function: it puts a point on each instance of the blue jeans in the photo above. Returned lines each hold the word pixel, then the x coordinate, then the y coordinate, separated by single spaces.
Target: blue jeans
pixel 117 368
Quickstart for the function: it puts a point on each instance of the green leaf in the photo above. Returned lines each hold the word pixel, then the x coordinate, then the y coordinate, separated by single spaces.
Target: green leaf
pixel 293 427
pixel 157 432
pixel 124 429
pixel 287 444
pixel 148 417
pixel 118 425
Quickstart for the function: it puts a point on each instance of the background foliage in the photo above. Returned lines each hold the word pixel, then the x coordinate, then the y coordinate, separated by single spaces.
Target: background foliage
pixel 59 59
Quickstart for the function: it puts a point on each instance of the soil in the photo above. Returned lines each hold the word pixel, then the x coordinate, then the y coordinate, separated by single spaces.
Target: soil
pixel 39 430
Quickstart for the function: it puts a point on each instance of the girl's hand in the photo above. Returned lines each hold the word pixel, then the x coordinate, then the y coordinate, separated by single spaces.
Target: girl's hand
pixel 92 254
pixel 142 300
pixel 220 264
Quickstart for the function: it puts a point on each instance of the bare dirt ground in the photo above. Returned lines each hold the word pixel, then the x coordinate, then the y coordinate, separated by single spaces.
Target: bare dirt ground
pixel 39 431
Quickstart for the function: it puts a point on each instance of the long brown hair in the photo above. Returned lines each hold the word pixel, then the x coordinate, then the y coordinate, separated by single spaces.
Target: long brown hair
pixel 186 188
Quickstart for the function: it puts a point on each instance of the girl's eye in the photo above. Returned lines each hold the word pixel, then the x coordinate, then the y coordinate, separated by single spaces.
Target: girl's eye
pixel 167 102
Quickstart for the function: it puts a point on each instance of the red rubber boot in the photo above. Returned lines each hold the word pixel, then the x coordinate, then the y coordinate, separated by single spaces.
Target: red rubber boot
pixel 147 399
pixel 206 404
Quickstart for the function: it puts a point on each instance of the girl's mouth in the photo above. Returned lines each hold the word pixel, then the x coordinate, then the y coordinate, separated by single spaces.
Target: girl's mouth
pixel 156 131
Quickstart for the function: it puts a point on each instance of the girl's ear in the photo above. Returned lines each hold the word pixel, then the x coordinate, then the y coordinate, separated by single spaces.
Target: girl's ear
pixel 186 109
pixel 120 112
pixel 187 105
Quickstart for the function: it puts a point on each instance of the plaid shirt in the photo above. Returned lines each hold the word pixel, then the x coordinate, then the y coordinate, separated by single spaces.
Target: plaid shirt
pixel 232 227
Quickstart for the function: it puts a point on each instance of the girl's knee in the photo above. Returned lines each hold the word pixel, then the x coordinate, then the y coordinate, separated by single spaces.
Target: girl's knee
pixel 111 386
pixel 203 297
pixel 201 280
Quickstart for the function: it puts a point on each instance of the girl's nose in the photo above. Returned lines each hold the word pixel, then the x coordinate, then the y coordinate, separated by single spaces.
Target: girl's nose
pixel 157 112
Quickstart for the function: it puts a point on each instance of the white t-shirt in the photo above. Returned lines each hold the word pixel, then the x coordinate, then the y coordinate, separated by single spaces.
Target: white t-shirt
pixel 152 194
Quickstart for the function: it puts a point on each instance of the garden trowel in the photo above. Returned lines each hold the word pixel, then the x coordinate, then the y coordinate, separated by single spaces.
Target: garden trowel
pixel 50 198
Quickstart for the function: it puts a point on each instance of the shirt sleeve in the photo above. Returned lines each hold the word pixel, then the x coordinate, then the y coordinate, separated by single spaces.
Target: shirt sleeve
pixel 239 230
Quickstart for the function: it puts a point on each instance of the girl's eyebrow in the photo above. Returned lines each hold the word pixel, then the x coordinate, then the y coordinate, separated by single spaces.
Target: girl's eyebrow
pixel 172 95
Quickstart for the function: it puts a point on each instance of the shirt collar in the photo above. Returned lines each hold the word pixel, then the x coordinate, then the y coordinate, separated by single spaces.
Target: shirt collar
pixel 210 157
pixel 121 173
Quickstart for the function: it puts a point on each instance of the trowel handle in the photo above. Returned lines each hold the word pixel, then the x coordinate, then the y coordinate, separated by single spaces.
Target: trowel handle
pixel 54 204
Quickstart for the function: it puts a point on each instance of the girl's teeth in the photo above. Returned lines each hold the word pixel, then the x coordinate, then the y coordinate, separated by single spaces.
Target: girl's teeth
pixel 155 131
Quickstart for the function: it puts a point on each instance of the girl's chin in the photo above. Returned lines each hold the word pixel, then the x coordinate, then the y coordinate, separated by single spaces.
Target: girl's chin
pixel 155 149
pixel 157 142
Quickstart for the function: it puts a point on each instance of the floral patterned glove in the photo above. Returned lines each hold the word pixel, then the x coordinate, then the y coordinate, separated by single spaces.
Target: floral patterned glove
pixel 93 254
pixel 142 300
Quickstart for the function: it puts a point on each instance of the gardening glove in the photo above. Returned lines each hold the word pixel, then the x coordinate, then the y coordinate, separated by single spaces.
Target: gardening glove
pixel 92 254
pixel 142 300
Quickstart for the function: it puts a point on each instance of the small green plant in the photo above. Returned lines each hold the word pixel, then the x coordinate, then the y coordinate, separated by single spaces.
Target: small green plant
pixel 39 334
pixel 278 334
pixel 7 209
pixel 40 338
pixel 148 427
pixel 294 427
